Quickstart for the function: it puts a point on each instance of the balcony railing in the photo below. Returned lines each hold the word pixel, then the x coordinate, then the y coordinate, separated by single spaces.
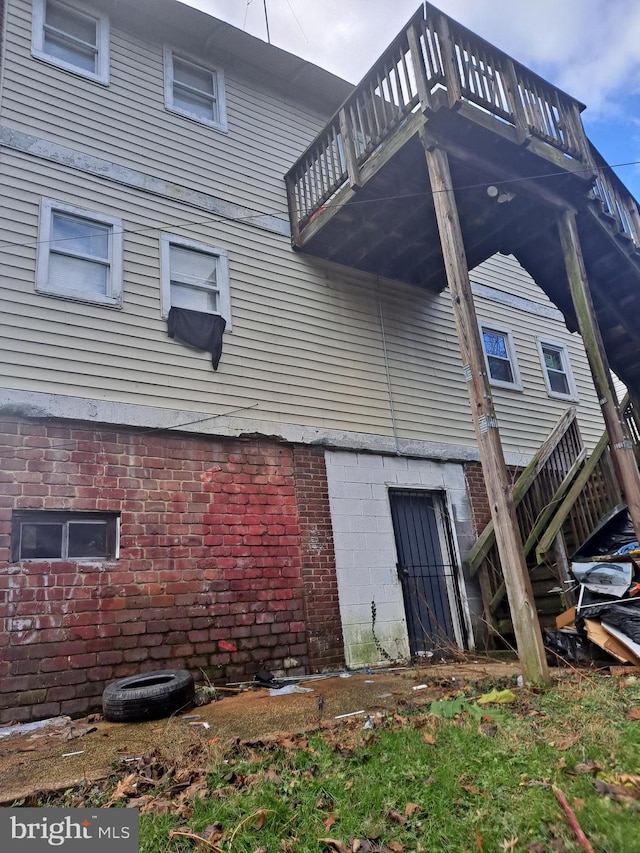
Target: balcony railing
pixel 616 200
pixel 434 60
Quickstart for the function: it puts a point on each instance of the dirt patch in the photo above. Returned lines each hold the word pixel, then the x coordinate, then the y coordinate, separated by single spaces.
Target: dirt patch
pixel 44 762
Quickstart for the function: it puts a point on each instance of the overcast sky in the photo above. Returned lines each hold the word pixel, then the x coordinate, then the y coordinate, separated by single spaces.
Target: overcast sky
pixel 589 48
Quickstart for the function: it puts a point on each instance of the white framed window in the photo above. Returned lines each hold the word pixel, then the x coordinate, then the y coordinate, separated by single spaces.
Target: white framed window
pixel 74 37
pixel 556 368
pixel 79 254
pixel 194 276
pixel 194 90
pixel 57 535
pixel 500 357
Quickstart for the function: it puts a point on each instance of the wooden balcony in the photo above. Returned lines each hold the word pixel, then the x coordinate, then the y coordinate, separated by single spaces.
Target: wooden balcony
pixel 360 194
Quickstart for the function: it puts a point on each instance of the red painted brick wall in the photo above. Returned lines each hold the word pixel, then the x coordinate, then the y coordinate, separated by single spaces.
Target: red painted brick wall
pixel 212 549
pixel 324 628
pixel 478 493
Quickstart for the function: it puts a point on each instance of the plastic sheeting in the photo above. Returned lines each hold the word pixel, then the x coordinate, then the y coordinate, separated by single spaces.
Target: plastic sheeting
pixel 604 578
pixel 625 617
pixel 615 532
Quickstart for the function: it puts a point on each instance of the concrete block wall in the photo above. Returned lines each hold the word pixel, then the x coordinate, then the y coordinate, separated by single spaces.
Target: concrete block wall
pixel 365 550
pixel 210 570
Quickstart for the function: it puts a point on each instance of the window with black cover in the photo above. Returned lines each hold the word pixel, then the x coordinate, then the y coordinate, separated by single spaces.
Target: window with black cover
pixel 37 535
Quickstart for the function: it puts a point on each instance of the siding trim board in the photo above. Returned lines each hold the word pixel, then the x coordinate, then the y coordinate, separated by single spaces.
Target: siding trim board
pixel 36 147
pixel 38 405
pixel 517 302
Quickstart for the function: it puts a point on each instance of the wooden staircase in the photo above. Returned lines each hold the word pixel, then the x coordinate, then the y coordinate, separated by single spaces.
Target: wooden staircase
pixel 560 497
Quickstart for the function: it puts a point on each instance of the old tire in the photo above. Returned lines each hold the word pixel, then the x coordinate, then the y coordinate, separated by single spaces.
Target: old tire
pixel 148 696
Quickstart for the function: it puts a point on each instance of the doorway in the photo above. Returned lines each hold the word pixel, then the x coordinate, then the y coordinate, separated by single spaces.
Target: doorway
pixel 428 571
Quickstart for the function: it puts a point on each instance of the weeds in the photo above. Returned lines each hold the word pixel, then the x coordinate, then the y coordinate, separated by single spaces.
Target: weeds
pixel 452 778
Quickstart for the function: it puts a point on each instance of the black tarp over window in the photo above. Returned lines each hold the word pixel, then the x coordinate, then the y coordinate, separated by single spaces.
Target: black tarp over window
pixel 199 330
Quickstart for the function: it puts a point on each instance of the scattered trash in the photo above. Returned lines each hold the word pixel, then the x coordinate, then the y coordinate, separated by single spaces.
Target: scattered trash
pixel 369 723
pixel 69 754
pixel 148 696
pixel 606 617
pixel 205 694
pixel 419 687
pixel 58 728
pixel 345 675
pixel 288 689
pixel 520 681
pixel 264 679
pixel 497 697
pixel 350 714
pixel 369 681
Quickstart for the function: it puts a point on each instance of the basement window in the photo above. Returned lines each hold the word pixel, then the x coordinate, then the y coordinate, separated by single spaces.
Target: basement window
pixel 500 357
pixel 72 38
pixel 54 535
pixel 556 368
pixel 194 91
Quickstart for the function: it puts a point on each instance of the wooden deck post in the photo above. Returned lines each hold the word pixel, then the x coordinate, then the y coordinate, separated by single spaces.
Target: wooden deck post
pixel 516 576
pixel 620 444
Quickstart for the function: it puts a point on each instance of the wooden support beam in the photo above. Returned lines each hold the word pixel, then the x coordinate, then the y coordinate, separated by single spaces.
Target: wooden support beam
pixel 519 591
pixel 449 62
pixel 419 70
pixel 620 443
pixel 348 148
pixel 515 102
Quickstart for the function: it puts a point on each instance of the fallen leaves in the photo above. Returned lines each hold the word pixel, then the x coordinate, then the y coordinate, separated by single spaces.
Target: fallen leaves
pixel 497 697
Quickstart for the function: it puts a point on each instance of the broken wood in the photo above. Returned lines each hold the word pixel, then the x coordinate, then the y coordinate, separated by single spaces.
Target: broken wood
pixel 564 620
pixel 599 635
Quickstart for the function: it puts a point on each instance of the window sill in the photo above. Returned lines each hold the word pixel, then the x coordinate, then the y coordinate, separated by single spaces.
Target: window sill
pixel 505 386
pixel 220 126
pixel 75 296
pixel 102 78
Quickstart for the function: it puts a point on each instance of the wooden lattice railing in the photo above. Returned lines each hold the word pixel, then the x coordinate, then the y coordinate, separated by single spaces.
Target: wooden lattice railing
pixel 432 57
pixel 536 494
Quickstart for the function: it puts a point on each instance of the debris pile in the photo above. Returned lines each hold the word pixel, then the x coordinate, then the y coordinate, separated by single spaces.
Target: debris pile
pixel 607 610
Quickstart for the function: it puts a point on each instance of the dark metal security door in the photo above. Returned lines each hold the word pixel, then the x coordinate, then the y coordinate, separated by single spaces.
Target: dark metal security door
pixel 426 571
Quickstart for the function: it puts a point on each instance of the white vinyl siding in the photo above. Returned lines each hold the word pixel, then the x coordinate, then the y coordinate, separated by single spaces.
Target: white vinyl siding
pixel 127 123
pixel 74 38
pixel 79 254
pixel 556 368
pixel 307 346
pixel 194 276
pixel 193 90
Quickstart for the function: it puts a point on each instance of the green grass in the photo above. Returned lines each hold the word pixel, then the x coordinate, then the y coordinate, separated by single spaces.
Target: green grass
pixel 479 781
